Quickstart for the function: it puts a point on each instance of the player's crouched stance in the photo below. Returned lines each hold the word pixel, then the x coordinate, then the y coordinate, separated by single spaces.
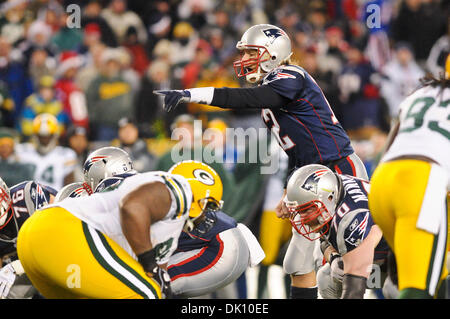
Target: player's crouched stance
pixel 217 250
pixel 113 244
pixel 334 208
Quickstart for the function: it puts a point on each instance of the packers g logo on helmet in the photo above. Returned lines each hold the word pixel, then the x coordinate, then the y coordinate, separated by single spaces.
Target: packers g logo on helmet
pixel 45 124
pixel 206 185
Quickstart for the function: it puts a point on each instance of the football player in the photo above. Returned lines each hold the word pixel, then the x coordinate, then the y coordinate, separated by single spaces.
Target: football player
pixel 76 189
pixel 334 207
pixel 416 168
pixel 54 164
pixel 217 250
pixel 17 204
pixel 106 162
pixel 113 244
pixel 293 107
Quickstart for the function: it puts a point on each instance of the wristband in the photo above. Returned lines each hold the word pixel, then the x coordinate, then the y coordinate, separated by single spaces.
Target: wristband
pixel 17 266
pixel 324 244
pixel 353 287
pixel 148 260
pixel 202 95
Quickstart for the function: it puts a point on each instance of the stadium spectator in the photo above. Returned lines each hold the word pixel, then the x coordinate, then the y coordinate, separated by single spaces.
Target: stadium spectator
pixel 159 22
pixel 200 61
pixel 73 98
pixel 45 100
pixel 420 23
pixel 359 95
pixel 183 46
pixel 139 59
pixel 120 19
pixel 77 139
pixel 91 18
pixel 109 97
pixel 400 77
pixel 12 22
pixel 16 77
pixel 91 69
pixel 148 106
pixel 6 105
pixel 67 38
pixel 135 146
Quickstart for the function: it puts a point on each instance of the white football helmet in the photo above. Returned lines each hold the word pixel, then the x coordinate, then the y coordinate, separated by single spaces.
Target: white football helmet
pixel 105 162
pixel 312 194
pixel 76 189
pixel 273 45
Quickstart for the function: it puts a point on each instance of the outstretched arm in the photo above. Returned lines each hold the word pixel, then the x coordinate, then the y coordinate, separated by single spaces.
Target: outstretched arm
pixel 262 96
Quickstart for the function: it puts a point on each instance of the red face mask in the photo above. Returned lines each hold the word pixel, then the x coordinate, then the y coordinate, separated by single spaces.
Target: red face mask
pixel 310 218
pixel 251 65
pixel 6 207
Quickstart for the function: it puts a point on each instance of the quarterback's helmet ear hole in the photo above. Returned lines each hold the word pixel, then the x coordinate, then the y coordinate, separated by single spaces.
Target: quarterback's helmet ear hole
pixel 274 57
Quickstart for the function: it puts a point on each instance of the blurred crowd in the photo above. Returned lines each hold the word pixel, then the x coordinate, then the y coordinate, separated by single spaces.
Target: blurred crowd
pixel 94 66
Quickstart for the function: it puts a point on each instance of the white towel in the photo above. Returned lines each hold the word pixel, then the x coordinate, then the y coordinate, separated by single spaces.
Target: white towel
pixel 256 252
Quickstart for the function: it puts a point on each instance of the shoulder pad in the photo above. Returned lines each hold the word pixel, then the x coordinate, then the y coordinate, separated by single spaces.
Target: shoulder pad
pixel 352 230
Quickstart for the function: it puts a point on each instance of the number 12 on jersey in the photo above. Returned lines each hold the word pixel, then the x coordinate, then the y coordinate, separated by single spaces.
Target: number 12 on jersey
pixel 269 118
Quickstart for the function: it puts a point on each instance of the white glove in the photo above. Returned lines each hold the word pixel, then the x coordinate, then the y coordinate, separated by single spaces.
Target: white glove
pixel 337 269
pixel 7 278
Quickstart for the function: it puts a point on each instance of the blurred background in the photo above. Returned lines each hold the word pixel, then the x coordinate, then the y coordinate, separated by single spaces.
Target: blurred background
pixel 94 67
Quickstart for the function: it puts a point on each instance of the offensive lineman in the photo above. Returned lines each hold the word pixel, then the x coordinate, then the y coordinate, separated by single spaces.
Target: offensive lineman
pixel 294 108
pixel 17 204
pixel 416 168
pixel 334 207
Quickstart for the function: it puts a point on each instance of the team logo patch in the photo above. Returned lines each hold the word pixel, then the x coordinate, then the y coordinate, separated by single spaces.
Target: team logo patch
pixel 283 75
pixel 204 177
pixel 310 183
pixel 357 230
pixel 93 160
pixel 273 34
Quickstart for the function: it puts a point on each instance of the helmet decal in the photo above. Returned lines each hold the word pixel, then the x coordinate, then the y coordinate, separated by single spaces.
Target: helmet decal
pixel 310 183
pixel 93 160
pixel 203 176
pixel 273 34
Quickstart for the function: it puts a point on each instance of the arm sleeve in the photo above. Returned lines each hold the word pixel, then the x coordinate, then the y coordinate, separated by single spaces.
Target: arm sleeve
pixel 260 97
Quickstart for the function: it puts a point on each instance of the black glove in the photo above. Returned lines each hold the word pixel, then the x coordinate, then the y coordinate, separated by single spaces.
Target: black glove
pixel 173 97
pixel 162 277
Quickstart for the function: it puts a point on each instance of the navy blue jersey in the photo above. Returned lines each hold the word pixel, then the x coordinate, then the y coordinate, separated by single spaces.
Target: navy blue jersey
pixel 206 232
pixel 26 198
pixel 352 221
pixel 306 127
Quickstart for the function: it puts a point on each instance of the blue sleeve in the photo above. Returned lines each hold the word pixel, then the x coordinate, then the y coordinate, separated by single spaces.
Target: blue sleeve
pixel 287 83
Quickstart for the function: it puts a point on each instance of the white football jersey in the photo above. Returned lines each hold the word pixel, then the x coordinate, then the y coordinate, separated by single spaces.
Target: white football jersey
pixel 101 211
pixel 51 168
pixel 424 126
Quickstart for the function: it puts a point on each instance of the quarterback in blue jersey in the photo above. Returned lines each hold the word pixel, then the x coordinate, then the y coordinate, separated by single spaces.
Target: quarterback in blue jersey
pixel 292 106
pixel 334 208
pixel 17 204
